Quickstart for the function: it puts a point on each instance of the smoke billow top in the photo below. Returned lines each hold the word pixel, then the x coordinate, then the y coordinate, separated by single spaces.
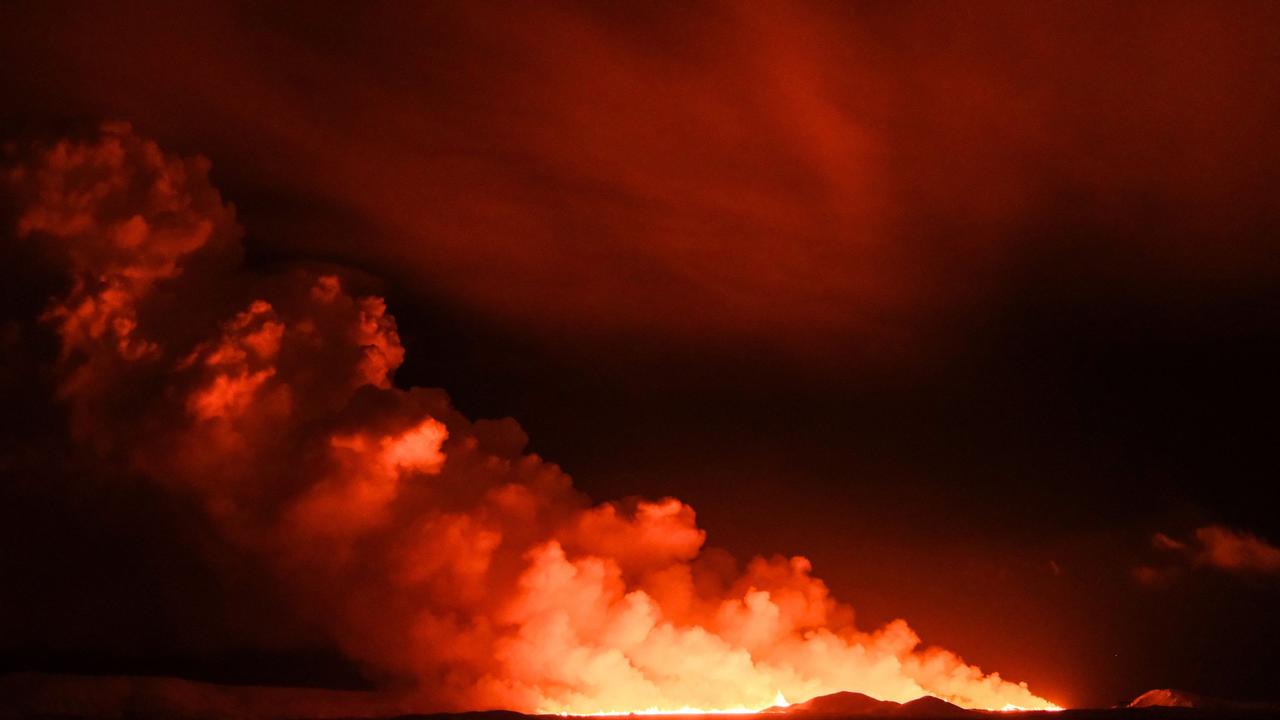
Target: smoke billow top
pixel 428 547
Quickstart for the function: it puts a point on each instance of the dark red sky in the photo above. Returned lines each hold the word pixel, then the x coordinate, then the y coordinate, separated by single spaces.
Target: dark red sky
pixel 962 301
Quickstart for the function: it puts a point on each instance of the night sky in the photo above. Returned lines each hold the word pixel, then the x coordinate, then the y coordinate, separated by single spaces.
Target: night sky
pixel 974 305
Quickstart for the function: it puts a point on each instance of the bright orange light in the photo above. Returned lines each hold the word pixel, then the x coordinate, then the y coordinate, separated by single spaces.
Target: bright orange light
pixel 659 711
pixel 779 700
pixel 1014 708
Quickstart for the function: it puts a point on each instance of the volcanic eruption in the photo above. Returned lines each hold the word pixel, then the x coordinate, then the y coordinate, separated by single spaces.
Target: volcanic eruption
pixel 431 549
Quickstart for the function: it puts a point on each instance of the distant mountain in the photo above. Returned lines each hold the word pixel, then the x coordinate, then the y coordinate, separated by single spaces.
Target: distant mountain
pixel 1169 698
pixel 854 704
pixel 842 703
pixel 1165 697
pixel 931 707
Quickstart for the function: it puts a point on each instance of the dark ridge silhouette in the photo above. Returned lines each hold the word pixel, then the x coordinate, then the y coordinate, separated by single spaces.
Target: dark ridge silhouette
pixel 844 704
pixel 931 707
pixel 1171 698
pixel 36 695
pixel 1166 697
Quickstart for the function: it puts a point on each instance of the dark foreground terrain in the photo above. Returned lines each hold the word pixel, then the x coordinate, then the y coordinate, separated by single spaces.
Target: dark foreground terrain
pixel 33 695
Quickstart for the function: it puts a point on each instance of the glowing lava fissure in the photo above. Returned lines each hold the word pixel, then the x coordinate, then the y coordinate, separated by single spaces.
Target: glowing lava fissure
pixel 654 710
pixel 429 547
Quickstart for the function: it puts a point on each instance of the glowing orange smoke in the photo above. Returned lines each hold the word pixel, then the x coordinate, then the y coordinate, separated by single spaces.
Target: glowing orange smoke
pixel 429 546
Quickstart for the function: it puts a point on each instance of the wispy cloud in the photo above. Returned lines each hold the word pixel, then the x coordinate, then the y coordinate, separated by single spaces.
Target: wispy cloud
pixel 1236 551
pixel 1213 546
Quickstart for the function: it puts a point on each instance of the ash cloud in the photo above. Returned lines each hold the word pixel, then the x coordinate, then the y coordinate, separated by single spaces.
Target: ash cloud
pixel 426 547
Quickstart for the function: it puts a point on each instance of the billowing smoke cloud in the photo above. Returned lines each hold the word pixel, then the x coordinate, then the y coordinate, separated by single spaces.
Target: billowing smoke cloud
pixel 430 548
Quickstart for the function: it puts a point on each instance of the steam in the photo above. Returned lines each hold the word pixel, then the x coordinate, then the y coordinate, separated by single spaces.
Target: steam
pixel 430 548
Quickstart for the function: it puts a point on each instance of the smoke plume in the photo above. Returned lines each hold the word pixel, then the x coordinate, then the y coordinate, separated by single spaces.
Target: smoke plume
pixel 429 547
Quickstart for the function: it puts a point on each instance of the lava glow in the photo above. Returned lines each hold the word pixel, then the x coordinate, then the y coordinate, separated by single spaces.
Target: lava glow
pixel 660 711
pixel 779 701
pixel 428 546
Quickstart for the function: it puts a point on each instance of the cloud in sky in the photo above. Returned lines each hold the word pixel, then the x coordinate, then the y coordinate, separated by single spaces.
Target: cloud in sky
pixel 1216 547
pixel 1231 550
